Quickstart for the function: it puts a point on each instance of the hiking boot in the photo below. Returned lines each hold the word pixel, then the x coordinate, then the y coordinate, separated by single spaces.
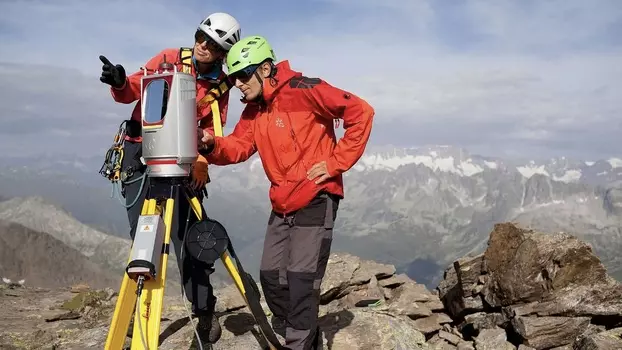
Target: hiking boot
pixel 209 330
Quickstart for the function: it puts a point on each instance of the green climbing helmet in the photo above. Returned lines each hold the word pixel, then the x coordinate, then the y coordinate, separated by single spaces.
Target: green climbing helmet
pixel 249 51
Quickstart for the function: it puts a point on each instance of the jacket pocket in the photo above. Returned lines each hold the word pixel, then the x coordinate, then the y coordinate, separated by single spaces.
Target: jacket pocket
pixel 288 152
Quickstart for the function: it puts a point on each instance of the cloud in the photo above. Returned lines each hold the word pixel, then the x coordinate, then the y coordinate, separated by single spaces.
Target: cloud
pixel 55 111
pixel 500 77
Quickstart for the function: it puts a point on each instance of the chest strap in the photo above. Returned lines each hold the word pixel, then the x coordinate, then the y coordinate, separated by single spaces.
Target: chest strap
pixel 212 96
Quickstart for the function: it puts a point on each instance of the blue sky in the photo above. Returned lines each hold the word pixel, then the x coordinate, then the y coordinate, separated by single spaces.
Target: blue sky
pixel 529 78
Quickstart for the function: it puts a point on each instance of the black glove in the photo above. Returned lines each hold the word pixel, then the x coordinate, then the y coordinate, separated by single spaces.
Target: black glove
pixel 112 75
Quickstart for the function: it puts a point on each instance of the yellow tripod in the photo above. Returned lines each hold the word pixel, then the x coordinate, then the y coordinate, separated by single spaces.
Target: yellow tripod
pixel 157 210
pixel 149 311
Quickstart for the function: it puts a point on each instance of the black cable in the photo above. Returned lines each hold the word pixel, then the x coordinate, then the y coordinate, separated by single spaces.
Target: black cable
pixel 139 290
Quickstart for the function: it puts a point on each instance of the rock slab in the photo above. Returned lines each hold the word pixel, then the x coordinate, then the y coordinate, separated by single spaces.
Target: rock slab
pixel 546 290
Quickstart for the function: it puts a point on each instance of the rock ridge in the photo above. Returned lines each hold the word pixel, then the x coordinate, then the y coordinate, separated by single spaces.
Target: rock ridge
pixel 528 290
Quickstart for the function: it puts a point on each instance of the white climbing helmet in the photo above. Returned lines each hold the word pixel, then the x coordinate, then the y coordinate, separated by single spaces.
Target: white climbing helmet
pixel 223 28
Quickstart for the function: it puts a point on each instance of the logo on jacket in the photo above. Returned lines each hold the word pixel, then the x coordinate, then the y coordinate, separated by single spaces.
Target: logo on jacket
pixel 279 122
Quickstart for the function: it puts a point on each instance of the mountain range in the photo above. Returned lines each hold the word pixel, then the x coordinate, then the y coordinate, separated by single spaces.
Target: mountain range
pixel 417 208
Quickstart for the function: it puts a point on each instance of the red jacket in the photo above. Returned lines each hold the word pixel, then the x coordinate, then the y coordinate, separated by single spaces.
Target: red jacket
pixel 130 92
pixel 292 131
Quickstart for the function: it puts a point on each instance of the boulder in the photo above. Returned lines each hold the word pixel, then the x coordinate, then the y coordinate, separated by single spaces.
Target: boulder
pixel 369 329
pixel 346 273
pixel 525 266
pixel 543 290
pixel 611 339
pixel 493 339
pixel 548 332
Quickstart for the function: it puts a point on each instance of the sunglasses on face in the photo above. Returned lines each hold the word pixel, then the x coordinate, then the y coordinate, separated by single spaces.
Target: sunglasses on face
pixel 243 75
pixel 200 37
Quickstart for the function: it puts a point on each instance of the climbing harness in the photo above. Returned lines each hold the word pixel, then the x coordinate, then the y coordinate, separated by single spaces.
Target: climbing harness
pixel 185 57
pixel 212 96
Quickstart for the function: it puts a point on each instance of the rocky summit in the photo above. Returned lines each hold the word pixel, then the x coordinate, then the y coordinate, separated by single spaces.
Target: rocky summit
pixel 528 290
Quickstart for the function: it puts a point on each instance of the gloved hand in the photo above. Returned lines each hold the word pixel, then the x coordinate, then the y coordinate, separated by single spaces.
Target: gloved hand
pixel 200 176
pixel 111 74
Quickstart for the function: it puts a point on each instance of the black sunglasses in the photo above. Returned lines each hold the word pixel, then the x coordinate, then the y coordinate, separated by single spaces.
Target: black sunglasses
pixel 200 37
pixel 243 75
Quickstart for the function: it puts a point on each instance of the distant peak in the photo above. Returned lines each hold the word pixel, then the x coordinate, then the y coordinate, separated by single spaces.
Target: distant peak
pixel 32 201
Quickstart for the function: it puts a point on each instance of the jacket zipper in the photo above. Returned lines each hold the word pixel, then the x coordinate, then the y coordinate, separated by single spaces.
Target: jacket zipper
pixel 296 144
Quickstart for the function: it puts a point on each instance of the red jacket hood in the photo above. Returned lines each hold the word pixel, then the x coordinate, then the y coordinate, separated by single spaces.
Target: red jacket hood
pixel 283 75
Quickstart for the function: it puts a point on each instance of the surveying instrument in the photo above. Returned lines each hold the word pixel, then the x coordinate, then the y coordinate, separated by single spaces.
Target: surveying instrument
pixel 169 131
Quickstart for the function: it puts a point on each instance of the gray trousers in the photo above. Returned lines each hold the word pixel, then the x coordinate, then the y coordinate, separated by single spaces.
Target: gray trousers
pixel 293 263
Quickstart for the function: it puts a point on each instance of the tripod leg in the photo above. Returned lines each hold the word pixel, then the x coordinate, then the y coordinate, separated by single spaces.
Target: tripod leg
pixel 122 315
pixel 226 259
pixel 125 302
pixel 152 297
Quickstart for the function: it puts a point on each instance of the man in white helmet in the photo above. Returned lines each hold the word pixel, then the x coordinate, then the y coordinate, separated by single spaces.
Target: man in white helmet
pixel 213 38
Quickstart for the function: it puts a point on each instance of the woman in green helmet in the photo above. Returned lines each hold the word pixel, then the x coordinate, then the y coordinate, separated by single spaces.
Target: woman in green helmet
pixel 289 120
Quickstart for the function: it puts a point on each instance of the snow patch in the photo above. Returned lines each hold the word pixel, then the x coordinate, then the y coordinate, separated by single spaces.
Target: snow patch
pixel 442 164
pixel 357 167
pixel 256 163
pixel 491 165
pixel 530 170
pixel 569 176
pixel 615 162
pixel 470 169
pixel 448 164
pixel 546 204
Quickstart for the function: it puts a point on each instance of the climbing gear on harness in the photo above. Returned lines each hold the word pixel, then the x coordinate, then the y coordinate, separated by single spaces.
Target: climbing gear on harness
pixel 113 161
pixel 111 168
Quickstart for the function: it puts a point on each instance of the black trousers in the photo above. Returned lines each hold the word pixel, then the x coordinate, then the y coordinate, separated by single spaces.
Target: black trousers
pixel 195 275
pixel 293 263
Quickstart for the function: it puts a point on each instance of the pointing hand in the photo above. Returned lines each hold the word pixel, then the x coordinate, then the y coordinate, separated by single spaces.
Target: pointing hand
pixel 113 75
